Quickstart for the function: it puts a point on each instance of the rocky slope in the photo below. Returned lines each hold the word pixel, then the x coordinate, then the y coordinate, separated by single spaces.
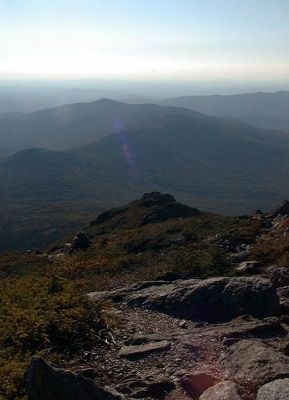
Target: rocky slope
pixel 221 338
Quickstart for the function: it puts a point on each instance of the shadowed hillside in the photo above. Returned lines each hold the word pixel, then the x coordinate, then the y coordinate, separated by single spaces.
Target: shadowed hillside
pixel 73 125
pixel 213 164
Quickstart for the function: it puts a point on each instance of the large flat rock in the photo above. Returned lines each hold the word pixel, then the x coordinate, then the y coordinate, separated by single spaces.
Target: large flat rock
pixel 212 300
pixel 144 349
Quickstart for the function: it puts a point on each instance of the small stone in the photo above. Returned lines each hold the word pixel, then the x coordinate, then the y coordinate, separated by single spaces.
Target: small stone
pixel 145 349
pixel 87 372
pixel 180 372
pixel 183 324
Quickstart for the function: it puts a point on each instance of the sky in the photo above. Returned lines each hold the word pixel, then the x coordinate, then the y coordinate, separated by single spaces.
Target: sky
pixel 184 40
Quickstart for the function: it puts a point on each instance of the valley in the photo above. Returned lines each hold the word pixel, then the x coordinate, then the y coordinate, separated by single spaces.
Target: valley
pixel 140 148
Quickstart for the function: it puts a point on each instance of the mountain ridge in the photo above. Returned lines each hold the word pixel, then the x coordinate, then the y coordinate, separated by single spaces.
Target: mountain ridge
pixel 71 125
pixel 262 109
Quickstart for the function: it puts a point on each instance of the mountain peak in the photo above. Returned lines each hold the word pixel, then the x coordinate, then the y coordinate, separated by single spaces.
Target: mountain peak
pixel 151 208
pixel 107 101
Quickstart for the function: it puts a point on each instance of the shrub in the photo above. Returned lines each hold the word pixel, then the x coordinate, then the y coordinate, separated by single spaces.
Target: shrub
pixel 43 315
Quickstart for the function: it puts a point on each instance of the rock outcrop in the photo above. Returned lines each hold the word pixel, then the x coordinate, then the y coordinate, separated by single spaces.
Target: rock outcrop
pixel 211 300
pixel 151 208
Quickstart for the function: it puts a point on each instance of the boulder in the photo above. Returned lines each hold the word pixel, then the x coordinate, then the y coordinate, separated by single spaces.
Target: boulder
pixel 80 241
pixel 240 256
pixel 156 387
pixel 276 390
pixel 283 293
pixel 211 300
pixel 61 249
pixel 282 209
pixel 279 276
pixel 143 350
pixel 249 267
pixel 45 382
pixel 253 363
pixel 195 384
pixel 225 390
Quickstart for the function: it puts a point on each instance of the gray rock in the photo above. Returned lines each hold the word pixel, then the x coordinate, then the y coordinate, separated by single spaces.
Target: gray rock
pixel 225 390
pixel 139 338
pixel 282 209
pixel 283 293
pixel 279 276
pixel 246 326
pixel 249 267
pixel 144 349
pixel 251 362
pixel 45 382
pixel 195 384
pixel 152 387
pixel 211 300
pixel 81 241
pixel 276 390
pixel 241 256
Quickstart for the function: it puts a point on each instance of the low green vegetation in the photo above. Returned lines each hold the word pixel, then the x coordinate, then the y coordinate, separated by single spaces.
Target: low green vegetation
pixel 48 316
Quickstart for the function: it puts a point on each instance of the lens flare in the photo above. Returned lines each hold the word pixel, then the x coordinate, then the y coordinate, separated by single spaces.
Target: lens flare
pixel 123 138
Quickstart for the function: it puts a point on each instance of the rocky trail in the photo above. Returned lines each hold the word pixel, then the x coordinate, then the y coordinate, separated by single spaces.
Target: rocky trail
pixel 159 356
pixel 215 339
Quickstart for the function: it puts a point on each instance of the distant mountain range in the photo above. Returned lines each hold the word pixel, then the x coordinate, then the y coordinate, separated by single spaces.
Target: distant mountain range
pixel 72 125
pixel 209 163
pixel 25 98
pixel 68 126
pixel 266 110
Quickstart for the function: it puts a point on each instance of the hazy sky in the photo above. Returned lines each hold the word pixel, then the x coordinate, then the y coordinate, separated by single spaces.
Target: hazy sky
pixel 144 39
